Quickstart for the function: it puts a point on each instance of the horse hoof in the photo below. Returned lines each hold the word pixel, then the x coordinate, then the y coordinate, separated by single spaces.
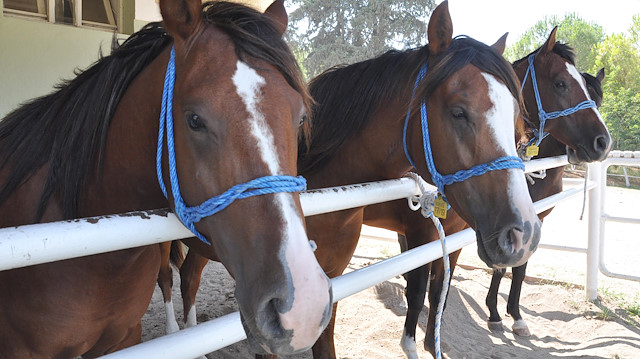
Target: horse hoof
pixel 520 328
pixel 495 326
pixel 408 345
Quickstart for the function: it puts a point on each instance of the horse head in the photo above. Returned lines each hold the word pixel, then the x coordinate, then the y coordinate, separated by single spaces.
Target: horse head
pixel 564 108
pixel 469 100
pixel 238 101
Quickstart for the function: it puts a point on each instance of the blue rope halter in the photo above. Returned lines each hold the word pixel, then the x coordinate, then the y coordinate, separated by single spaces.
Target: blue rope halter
pixel 439 179
pixel 190 215
pixel 542 115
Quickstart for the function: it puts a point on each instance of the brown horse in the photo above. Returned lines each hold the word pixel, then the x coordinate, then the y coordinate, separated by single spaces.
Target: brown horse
pixel 472 102
pixel 90 149
pixel 586 135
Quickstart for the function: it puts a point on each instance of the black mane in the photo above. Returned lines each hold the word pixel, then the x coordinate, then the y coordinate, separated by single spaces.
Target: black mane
pixel 348 96
pixel 563 50
pixel 594 84
pixel 67 128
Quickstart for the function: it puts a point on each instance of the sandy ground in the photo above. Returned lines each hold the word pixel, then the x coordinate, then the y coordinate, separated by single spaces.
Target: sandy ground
pixel 563 323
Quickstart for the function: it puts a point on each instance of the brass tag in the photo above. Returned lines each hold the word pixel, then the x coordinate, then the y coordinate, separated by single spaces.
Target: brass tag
pixel 440 208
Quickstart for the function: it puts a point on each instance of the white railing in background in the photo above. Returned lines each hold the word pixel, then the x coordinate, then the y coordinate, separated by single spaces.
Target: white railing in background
pixel 41 243
pixel 621 158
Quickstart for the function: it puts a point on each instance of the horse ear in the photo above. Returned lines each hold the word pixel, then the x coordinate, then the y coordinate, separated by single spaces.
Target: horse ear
pixel 550 43
pixel 600 75
pixel 440 29
pixel 181 17
pixel 501 44
pixel 279 15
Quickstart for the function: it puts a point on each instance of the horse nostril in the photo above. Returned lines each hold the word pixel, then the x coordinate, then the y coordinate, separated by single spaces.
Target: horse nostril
pixel 601 143
pixel 511 240
pixel 268 320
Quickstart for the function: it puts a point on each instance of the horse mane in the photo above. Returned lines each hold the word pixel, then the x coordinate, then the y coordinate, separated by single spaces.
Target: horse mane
pixel 376 80
pixel 59 129
pixel 595 85
pixel 335 119
pixel 563 50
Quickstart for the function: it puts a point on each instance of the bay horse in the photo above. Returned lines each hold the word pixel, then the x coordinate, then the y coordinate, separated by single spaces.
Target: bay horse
pixel 95 146
pixel 584 136
pixel 364 113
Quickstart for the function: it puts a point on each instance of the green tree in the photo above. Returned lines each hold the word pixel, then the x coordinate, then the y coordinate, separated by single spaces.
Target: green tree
pixel 619 54
pixel 333 32
pixel 621 111
pixel 581 35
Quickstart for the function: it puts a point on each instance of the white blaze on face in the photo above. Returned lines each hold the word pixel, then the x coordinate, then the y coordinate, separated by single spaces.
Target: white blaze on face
pixel 500 120
pixel 578 78
pixel 310 284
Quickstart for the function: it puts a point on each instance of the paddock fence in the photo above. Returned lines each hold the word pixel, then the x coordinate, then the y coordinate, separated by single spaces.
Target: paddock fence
pixel 47 242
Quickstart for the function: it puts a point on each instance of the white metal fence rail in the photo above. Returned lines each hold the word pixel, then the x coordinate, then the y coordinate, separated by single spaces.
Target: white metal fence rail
pixel 41 243
pixel 622 158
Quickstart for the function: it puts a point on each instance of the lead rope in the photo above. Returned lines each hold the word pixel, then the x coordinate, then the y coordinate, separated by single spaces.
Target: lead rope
pixel 426 203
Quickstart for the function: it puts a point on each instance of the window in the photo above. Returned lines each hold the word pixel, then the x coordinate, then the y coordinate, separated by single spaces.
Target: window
pixel 95 13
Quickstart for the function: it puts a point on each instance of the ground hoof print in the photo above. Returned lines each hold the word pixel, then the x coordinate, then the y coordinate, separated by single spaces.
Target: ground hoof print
pixel 520 328
pixel 495 326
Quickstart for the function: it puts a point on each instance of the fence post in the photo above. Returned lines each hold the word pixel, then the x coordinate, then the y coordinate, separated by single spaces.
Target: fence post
pixel 595 216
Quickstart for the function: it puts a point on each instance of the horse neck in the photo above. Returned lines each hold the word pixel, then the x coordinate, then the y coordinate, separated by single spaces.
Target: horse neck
pixel 127 180
pixel 375 154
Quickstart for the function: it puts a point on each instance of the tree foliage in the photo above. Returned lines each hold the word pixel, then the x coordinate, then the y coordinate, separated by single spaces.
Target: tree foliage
pixel 621 109
pixel 580 34
pixel 326 33
pixel 619 54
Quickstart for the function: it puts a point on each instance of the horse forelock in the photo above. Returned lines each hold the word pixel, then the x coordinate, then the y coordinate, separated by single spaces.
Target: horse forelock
pixel 255 36
pixel 464 51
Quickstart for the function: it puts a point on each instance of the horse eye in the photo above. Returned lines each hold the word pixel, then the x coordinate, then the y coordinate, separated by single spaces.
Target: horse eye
pixel 303 119
pixel 458 113
pixel 194 122
pixel 560 85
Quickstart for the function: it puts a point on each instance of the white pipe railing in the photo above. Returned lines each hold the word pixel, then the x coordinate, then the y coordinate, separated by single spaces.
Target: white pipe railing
pixel 620 158
pixel 209 337
pixel 40 243
pixel 47 242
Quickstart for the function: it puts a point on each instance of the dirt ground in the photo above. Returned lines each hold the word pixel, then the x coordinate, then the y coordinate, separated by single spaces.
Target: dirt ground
pixel 563 323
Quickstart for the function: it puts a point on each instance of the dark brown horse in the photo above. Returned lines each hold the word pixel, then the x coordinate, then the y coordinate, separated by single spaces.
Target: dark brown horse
pixel 560 86
pixel 89 149
pixel 472 103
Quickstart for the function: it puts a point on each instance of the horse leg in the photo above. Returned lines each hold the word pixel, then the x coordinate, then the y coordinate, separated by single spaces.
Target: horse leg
pixel 435 290
pixel 165 282
pixel 519 327
pixel 415 293
pixel 495 321
pixel 190 276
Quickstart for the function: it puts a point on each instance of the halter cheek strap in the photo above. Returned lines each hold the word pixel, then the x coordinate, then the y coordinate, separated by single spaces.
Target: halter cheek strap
pixel 542 115
pixel 439 179
pixel 190 215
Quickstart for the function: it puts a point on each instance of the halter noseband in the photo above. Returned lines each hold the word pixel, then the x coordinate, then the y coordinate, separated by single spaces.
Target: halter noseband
pixel 190 215
pixel 539 134
pixel 439 179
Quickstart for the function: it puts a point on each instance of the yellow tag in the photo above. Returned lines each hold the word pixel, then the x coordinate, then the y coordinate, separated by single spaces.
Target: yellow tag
pixel 440 208
pixel 532 151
